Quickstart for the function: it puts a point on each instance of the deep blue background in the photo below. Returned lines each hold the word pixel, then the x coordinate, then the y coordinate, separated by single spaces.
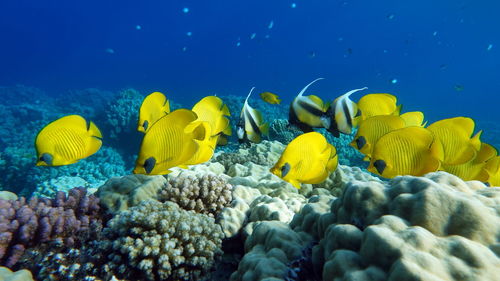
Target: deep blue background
pixel 61 45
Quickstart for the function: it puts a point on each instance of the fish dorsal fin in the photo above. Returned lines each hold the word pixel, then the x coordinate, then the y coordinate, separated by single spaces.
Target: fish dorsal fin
pixel 307 86
pixel 183 116
pixel 348 94
pixel 413 118
pixel 317 100
pixel 246 100
pixel 225 110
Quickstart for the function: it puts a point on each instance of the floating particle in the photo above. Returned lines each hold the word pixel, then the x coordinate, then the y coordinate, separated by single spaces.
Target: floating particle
pixel 253 36
pixel 385 51
pixel 189 33
pixel 185 10
pixel 293 5
pixel 138 27
pixel 434 33
pixel 391 16
pixel 267 36
pixel 110 51
pixel 238 44
pixel 394 81
pixel 341 39
pixel 490 46
pixel 349 51
pixel 312 54
pixel 443 66
pixel 184 49
pixel 459 87
pixel 270 25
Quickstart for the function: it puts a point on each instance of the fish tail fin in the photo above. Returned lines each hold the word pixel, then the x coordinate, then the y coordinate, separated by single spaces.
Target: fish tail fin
pixel 278 101
pixel 166 106
pixel 264 128
pixel 307 86
pixel 225 110
pixel 94 131
pixel 398 110
pixel 436 150
pixel 476 140
pixel 333 161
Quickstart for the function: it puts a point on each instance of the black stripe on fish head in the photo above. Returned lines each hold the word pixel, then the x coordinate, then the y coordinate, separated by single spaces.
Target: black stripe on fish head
pixel 380 165
pixel 149 165
pixel 47 158
pixel 285 169
pixel 360 142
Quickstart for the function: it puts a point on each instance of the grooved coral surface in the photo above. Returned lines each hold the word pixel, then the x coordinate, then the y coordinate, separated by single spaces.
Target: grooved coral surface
pixel 160 241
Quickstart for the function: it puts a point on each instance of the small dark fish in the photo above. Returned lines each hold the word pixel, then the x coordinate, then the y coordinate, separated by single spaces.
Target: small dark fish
pixel 459 87
pixel 443 66
pixel 391 16
pixel 349 51
pixel 312 54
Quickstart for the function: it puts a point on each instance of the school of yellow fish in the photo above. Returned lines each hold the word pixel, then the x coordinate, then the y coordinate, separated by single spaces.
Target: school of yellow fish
pixel 394 143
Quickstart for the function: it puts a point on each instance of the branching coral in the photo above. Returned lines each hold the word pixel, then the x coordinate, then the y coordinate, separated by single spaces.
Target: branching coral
pixel 206 193
pixel 160 241
pixel 69 220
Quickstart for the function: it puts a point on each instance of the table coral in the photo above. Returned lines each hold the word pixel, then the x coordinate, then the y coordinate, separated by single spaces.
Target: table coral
pixel 160 241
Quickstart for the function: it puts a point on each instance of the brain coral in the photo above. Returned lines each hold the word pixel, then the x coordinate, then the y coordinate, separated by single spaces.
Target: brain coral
pixel 436 227
pixel 160 241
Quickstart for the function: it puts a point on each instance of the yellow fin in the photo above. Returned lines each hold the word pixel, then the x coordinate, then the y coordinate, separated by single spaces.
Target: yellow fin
pixel 476 141
pixel 264 129
pixel 225 110
pixel 295 183
pixel 413 118
pixel 317 100
pixel 486 152
pixel 398 110
pixel 94 131
pixel 227 131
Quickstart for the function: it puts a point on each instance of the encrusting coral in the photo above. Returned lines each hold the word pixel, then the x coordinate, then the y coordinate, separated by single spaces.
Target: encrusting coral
pixel 67 219
pixel 160 241
pixel 121 193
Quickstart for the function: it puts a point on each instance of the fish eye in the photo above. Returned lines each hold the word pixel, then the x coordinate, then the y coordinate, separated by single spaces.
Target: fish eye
pixel 47 158
pixel 145 124
pixel 149 164
pixel 360 142
pixel 285 169
pixel 380 166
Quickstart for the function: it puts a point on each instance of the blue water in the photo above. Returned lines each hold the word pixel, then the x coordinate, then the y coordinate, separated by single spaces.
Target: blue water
pixel 430 47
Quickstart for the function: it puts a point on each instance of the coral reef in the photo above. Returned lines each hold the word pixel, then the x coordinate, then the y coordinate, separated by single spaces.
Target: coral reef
pixel 280 130
pixel 397 231
pixel 160 241
pixel 121 193
pixel 67 220
pixel 204 193
pixel 20 275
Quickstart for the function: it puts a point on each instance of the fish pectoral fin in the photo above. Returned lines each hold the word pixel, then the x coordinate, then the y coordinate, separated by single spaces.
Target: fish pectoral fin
pixel 183 166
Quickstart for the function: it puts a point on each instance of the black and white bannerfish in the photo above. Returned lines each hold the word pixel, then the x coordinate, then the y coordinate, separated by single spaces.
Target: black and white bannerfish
pixel 308 112
pixel 342 112
pixel 251 125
